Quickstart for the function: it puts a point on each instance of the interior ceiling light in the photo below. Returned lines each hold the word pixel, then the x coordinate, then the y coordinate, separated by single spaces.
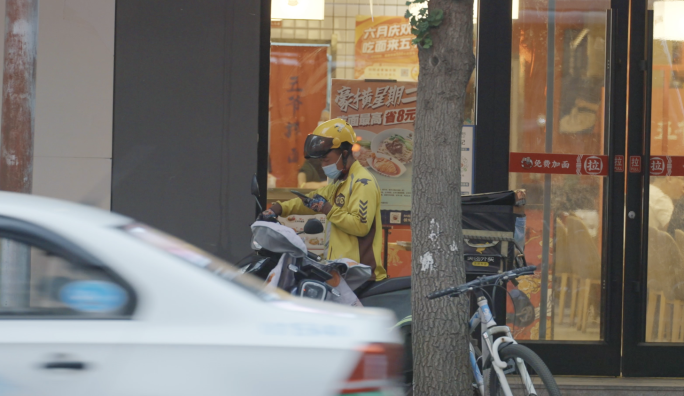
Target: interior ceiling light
pixel 298 9
pixel 668 20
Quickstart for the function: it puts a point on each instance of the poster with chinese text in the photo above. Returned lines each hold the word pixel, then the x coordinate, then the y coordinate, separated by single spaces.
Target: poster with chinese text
pixel 298 91
pixel 382 115
pixel 383 49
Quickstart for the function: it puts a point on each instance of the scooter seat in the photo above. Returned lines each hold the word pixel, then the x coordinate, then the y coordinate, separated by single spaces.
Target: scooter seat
pixel 387 285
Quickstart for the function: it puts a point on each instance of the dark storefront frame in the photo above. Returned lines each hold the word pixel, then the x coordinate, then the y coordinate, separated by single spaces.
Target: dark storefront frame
pixel 162 176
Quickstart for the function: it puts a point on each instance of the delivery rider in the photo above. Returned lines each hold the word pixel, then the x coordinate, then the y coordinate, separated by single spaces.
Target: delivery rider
pixel 351 202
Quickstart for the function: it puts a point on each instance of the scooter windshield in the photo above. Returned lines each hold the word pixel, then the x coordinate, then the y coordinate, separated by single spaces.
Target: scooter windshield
pixel 278 238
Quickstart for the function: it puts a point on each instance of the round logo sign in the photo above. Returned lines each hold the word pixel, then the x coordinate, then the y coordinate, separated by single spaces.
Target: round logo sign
pixel 93 296
pixel 657 166
pixel 593 165
pixel 526 163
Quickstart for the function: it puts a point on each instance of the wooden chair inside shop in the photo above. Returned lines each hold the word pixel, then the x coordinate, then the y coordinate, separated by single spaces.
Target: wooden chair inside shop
pixel 562 271
pixel 679 238
pixel 664 316
pixel 582 268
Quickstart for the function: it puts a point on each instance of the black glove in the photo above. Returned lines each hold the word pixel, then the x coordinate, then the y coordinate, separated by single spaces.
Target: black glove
pixel 318 204
pixel 268 215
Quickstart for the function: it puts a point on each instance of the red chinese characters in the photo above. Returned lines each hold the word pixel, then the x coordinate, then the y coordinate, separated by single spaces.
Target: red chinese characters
pixel 619 165
pixel 635 164
pixel 559 164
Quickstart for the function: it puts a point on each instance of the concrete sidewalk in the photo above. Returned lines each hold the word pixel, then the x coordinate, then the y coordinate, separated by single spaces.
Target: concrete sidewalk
pixel 576 386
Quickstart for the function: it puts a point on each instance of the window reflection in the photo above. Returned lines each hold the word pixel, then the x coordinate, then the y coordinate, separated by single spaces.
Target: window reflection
pixel 665 298
pixel 557 94
pixel 305 56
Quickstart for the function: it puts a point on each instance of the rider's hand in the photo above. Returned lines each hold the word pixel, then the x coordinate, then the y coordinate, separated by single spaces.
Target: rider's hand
pixel 318 204
pixel 267 215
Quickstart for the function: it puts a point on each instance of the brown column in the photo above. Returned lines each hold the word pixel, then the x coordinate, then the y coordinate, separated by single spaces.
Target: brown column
pixel 18 95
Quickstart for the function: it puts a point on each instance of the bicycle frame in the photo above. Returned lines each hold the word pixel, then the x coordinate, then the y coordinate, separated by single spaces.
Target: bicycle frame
pixel 492 336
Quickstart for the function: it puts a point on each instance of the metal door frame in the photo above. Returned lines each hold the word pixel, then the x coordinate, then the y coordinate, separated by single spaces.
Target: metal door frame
pixel 641 359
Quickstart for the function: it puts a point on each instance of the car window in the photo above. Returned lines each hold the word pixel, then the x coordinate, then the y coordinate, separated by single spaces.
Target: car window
pixel 201 259
pixel 38 282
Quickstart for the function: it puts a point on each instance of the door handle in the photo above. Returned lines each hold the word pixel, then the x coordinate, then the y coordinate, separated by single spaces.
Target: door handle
pixel 64 366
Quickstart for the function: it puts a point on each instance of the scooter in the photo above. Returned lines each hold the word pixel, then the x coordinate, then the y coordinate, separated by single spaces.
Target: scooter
pixel 283 261
pixel 263 261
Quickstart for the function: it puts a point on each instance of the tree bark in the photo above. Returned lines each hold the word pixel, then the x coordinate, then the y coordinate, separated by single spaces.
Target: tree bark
pixel 18 95
pixel 440 330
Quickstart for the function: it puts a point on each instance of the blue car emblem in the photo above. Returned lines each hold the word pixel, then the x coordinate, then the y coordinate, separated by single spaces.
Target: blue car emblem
pixel 93 296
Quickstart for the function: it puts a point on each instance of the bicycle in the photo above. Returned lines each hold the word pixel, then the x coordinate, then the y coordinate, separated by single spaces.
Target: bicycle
pixel 517 367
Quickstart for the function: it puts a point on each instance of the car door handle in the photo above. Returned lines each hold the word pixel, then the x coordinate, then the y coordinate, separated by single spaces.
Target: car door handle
pixel 65 365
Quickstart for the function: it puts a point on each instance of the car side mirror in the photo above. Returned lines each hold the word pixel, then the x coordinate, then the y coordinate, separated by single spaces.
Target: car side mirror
pixel 313 226
pixel 255 186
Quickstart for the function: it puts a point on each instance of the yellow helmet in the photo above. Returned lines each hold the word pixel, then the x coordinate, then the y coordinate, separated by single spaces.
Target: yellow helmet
pixel 328 136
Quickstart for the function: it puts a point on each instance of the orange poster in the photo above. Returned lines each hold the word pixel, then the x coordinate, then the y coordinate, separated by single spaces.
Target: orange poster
pixel 383 49
pixel 298 95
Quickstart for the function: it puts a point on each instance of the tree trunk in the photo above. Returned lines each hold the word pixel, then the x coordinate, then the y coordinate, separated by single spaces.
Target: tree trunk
pixel 18 95
pixel 16 138
pixel 440 330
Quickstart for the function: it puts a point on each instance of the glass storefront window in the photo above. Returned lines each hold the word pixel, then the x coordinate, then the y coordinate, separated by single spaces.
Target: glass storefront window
pixel 665 298
pixel 349 44
pixel 557 95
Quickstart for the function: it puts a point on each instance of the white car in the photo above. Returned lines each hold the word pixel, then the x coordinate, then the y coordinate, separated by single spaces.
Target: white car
pixel 109 306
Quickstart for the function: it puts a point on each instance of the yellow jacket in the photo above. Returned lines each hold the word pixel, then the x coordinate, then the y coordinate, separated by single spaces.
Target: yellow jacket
pixel 354 222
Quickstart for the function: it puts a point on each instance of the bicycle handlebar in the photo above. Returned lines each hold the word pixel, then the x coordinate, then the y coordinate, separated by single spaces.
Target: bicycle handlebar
pixel 483 281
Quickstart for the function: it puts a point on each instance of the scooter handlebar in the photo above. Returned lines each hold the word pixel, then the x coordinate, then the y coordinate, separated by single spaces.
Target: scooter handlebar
pixel 313 256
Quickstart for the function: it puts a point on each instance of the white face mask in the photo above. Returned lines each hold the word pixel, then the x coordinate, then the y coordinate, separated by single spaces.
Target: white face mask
pixel 331 170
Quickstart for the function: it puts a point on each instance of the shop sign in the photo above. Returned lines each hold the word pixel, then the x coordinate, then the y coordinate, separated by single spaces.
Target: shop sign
pixel 383 49
pixel 666 166
pixel 559 164
pixel 635 164
pixel 619 165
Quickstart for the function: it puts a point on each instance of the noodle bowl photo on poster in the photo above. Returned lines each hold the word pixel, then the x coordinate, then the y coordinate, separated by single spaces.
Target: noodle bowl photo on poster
pixel 387 153
pixel 395 142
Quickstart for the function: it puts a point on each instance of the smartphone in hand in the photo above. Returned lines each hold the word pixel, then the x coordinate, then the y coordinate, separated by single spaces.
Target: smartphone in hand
pixel 302 196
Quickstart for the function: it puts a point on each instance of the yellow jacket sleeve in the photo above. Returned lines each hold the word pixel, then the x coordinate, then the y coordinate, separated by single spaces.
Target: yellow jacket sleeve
pixel 296 206
pixel 357 216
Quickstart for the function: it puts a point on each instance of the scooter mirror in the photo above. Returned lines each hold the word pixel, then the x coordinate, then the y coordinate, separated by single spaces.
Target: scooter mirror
pixel 313 226
pixel 255 186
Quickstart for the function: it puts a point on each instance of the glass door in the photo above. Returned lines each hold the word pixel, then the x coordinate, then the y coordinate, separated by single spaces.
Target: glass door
pixel 563 153
pixel 654 336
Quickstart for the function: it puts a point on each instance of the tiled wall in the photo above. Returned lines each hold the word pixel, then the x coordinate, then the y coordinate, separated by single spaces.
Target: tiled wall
pixel 340 19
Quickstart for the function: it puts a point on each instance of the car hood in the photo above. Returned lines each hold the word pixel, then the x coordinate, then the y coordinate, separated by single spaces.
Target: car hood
pixel 356 325
pixel 328 308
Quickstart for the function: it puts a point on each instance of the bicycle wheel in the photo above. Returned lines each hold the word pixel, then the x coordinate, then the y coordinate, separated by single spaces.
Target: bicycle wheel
pixel 539 375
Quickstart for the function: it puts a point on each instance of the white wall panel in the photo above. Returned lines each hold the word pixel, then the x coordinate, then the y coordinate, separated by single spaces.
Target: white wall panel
pixel 74 99
pixel 83 180
pixel 75 71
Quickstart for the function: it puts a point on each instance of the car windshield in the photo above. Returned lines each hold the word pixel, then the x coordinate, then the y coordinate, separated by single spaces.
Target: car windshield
pixel 198 257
